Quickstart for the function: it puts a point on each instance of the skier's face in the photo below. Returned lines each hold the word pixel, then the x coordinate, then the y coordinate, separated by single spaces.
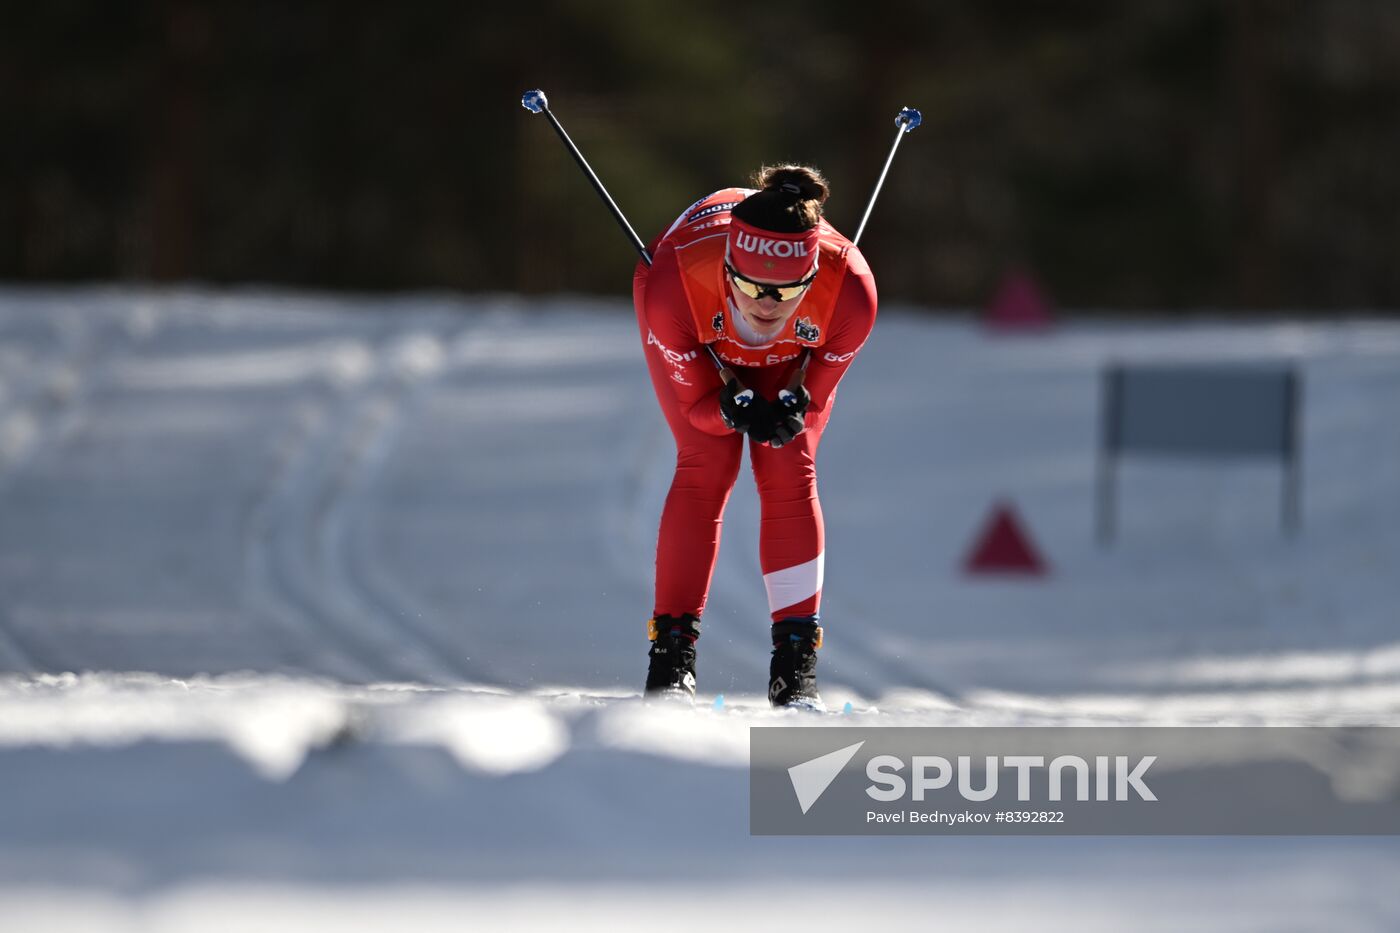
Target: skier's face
pixel 766 315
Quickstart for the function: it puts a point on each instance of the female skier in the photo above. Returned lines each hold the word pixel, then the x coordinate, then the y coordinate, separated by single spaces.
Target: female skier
pixel 767 283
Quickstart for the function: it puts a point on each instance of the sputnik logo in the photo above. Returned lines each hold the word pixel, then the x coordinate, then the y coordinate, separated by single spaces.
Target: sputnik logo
pixel 811 778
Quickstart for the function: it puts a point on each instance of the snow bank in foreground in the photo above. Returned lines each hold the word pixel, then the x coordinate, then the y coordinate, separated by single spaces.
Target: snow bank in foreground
pixel 273 722
pixel 1305 901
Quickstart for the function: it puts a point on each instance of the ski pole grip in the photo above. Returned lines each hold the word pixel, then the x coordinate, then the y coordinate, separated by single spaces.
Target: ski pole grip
pixel 799 376
pixel 726 375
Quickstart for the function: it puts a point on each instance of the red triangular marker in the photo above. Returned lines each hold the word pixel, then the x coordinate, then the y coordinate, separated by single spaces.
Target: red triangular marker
pixel 1003 547
pixel 1019 304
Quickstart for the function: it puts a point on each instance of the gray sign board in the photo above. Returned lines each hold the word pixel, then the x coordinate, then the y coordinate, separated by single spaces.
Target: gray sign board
pixel 1199 411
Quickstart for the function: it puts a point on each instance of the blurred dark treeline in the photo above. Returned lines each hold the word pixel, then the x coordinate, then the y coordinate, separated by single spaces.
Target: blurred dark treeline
pixel 1156 154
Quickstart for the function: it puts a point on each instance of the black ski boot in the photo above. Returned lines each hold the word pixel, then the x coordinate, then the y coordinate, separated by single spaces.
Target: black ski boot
pixel 792 675
pixel 671 674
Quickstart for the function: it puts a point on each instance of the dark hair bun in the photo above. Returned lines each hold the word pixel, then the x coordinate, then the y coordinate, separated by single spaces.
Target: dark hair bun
pixel 799 180
pixel 789 199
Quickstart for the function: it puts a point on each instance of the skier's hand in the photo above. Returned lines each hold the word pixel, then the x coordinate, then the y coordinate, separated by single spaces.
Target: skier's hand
pixel 787 414
pixel 745 411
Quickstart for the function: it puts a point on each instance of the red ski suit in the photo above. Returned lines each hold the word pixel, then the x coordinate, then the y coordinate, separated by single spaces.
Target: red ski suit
pixel 681 304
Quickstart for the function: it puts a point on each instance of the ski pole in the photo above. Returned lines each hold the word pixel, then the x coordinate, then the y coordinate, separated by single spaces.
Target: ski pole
pixel 536 102
pixel 905 121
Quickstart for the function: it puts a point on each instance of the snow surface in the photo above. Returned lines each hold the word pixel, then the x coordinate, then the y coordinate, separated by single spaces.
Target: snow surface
pixel 327 612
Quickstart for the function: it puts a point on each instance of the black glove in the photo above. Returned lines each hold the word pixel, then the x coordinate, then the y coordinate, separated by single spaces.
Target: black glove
pixel 744 410
pixel 787 415
pixel 772 423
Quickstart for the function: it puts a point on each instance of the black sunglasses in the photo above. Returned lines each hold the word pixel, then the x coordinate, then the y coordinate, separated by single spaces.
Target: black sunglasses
pixel 757 290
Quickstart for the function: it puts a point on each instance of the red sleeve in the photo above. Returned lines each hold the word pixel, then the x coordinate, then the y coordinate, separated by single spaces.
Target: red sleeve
pixel 851 325
pixel 694 378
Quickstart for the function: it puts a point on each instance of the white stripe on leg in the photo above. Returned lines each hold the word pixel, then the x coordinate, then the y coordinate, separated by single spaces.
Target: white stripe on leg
pixel 792 585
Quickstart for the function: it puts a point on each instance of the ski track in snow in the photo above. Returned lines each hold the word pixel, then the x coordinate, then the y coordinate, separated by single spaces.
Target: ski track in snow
pixel 378 568
pixel 302 542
